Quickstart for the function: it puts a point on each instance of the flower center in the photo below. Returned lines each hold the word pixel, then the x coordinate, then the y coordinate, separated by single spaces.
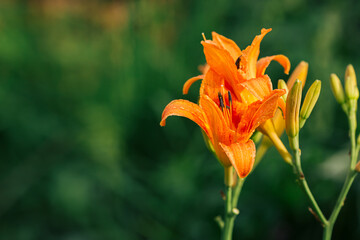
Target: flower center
pixel 226 107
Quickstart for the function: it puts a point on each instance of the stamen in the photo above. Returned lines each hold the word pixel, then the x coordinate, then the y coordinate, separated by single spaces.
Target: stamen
pixel 203 35
pixel 237 63
pixel 230 99
pixel 221 100
pixel 228 107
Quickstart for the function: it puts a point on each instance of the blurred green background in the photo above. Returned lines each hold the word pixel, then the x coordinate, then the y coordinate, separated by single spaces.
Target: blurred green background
pixel 82 88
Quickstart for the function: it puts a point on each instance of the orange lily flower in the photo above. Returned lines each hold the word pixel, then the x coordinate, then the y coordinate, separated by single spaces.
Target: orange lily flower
pixel 227 123
pixel 243 73
pixel 235 99
pixel 242 70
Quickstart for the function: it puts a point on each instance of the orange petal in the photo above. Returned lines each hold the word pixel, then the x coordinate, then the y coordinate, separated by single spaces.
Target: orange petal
pixel 211 85
pixel 220 61
pixel 263 63
pixel 245 96
pixel 259 87
pixel 184 108
pixel 241 155
pixel 227 44
pixel 239 109
pixel 189 82
pixel 257 113
pixel 220 130
pixel 203 68
pixel 218 125
pixel 252 52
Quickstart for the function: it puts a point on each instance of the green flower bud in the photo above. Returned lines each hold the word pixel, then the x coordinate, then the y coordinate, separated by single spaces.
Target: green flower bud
pixel 309 102
pixel 282 85
pixel 351 89
pixel 293 103
pixel 337 88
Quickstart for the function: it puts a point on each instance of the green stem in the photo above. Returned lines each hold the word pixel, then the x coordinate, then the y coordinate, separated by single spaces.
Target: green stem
pixel 237 191
pixel 349 178
pixel 229 216
pixel 232 197
pixel 303 183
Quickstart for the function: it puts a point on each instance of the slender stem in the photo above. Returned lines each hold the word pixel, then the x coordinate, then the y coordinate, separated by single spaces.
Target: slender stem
pixel 229 217
pixel 349 178
pixel 232 197
pixel 305 187
pixel 237 191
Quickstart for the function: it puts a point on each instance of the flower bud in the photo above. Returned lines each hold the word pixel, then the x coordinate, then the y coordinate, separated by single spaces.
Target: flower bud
pixel 282 85
pixel 337 88
pixel 300 73
pixel 351 89
pixel 310 100
pixel 293 103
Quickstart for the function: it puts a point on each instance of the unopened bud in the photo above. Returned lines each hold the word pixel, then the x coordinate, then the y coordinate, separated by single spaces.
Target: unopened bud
pixel 337 88
pixel 300 73
pixel 310 100
pixel 351 89
pixel 282 85
pixel 293 103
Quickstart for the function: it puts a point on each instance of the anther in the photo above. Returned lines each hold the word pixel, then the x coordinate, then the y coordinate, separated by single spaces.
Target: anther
pixel 237 63
pixel 230 99
pixel 221 100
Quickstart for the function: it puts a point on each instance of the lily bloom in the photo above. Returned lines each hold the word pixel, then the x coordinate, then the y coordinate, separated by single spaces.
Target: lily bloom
pixel 242 70
pixel 243 74
pixel 228 131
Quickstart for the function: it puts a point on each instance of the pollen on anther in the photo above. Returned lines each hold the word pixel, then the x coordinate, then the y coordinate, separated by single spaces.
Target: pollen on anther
pixel 230 99
pixel 237 63
pixel 221 100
